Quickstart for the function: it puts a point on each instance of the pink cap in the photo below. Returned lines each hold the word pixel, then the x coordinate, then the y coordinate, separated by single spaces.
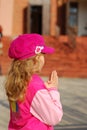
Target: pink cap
pixel 28 45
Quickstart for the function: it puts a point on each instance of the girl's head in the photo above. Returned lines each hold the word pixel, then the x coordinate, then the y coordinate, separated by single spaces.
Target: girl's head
pixel 28 45
pixel 27 52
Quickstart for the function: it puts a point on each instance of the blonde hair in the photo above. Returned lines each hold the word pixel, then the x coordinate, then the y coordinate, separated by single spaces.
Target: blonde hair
pixel 18 77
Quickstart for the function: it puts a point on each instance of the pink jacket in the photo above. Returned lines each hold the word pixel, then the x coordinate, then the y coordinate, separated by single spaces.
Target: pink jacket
pixel 41 109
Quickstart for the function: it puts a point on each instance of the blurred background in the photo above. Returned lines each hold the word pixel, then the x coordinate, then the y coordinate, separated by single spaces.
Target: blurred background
pixel 63 24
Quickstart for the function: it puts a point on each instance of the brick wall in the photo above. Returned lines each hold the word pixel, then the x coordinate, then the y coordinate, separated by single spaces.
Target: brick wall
pixel 4 59
pixel 69 62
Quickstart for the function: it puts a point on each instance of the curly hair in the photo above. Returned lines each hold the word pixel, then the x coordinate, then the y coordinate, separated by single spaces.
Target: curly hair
pixel 18 77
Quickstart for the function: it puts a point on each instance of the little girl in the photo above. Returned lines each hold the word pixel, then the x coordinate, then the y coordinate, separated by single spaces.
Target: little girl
pixel 34 104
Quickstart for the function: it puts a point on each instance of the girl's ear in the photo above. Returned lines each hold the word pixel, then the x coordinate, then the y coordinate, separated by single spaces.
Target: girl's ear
pixel 37 57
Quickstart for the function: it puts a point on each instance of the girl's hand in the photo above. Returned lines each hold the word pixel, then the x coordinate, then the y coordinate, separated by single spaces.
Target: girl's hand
pixel 53 81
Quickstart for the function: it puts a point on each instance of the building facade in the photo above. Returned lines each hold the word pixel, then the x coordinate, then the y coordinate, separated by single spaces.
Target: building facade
pixel 47 17
pixel 72 17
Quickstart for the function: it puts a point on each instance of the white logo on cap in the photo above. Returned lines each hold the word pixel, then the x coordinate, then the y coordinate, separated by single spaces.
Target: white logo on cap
pixel 39 49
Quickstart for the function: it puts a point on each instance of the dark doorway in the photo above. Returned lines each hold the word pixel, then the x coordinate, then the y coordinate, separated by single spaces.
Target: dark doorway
pixel 25 20
pixel 36 19
pixel 62 18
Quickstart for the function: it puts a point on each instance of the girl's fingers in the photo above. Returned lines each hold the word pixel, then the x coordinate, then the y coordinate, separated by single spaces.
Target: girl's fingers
pixel 51 78
pixel 53 82
pixel 54 78
pixel 54 75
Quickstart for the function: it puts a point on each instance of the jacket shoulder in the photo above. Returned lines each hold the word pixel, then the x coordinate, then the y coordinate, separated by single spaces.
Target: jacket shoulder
pixel 34 86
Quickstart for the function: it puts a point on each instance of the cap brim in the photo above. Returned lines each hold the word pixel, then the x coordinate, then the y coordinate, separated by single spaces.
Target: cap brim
pixel 48 50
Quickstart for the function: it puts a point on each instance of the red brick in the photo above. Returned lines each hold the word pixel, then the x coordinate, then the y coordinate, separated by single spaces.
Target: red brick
pixel 68 62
